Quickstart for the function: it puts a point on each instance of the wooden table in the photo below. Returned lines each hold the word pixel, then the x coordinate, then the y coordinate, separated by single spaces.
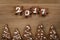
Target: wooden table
pixel 7 11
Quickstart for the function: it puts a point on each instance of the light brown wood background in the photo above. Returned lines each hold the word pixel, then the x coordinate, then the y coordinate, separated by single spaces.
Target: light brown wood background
pixel 7 16
pixel 29 1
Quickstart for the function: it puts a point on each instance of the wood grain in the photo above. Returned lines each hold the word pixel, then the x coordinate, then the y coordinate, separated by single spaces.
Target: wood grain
pixel 30 1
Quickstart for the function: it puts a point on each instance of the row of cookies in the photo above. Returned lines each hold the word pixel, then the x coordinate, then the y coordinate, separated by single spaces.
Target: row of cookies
pixel 28 35
pixel 33 10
